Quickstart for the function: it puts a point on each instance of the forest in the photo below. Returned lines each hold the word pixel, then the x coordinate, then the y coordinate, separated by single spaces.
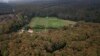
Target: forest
pixel 50 28
pixel 76 11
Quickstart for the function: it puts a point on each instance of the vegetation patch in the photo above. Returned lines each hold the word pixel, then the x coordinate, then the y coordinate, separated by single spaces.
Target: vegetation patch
pixel 49 23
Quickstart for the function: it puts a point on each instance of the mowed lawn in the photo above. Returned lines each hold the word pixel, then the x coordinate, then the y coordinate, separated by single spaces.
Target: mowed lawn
pixel 49 22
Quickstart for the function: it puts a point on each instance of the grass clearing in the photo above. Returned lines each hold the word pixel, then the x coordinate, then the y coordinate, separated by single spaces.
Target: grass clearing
pixel 49 22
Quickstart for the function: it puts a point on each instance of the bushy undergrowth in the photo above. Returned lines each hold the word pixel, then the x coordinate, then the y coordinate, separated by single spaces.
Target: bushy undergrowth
pixel 81 40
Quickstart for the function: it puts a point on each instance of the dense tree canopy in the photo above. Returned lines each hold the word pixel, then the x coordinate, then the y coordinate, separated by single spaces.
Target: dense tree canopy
pixel 67 10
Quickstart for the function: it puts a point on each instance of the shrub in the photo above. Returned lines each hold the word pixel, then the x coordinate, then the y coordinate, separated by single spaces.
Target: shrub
pixel 4 47
pixel 0 53
pixel 78 45
pixel 55 46
pixel 98 51
pixel 81 37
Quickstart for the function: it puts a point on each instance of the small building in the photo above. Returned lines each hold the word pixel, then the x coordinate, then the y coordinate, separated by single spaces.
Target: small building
pixel 30 31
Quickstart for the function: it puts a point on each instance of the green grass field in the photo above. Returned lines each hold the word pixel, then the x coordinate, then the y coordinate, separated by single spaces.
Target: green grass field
pixel 49 22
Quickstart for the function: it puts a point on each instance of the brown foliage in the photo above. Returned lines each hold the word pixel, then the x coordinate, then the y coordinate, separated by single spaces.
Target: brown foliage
pixel 82 40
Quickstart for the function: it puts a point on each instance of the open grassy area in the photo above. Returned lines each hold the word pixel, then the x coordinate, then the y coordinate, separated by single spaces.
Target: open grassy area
pixel 49 22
